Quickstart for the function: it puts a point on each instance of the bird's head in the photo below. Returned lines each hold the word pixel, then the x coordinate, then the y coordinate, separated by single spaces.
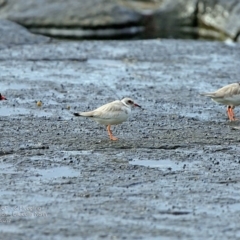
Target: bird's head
pixel 129 102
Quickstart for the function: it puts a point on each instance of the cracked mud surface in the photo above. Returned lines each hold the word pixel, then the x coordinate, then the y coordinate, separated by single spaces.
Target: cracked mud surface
pixel 174 173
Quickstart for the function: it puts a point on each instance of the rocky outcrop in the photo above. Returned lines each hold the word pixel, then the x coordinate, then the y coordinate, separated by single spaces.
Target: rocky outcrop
pixel 14 34
pixel 71 18
pixel 216 19
pixel 219 19
pixel 71 13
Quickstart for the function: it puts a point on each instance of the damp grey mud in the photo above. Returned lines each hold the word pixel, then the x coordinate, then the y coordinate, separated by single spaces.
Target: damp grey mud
pixel 173 174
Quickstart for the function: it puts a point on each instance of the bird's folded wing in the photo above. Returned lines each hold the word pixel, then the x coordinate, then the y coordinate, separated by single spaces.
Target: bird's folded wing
pixel 228 91
pixel 225 92
pixel 110 111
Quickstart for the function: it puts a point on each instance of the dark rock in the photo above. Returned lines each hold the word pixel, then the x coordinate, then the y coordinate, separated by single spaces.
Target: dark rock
pixel 2 3
pixel 172 19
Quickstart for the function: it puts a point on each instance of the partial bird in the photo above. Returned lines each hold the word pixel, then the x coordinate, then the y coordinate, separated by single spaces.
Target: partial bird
pixel 112 113
pixel 2 97
pixel 228 95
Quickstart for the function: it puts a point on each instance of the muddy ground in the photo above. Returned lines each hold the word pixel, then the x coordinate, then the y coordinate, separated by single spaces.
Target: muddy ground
pixel 173 174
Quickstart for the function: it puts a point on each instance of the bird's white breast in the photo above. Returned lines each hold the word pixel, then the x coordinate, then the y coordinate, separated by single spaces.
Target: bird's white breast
pixel 233 100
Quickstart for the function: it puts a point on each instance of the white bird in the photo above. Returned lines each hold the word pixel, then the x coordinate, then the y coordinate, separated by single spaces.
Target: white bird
pixel 2 97
pixel 112 113
pixel 228 95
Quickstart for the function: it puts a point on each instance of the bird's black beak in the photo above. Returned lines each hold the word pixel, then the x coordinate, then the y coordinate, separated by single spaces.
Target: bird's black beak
pixel 136 105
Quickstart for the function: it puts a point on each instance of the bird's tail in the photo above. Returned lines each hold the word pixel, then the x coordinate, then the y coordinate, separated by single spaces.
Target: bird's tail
pixel 83 114
pixel 208 94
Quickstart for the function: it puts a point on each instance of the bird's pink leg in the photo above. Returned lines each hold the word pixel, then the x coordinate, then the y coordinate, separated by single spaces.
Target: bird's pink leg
pixel 110 133
pixel 233 115
pixel 230 113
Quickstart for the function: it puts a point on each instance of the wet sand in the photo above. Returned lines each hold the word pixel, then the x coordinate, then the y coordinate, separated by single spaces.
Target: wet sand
pixel 173 174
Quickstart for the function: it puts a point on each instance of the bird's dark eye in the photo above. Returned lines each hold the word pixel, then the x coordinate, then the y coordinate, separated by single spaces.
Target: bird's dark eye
pixel 130 102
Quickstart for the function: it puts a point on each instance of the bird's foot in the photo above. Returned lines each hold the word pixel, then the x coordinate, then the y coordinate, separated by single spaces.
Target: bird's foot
pixel 113 138
pixel 110 133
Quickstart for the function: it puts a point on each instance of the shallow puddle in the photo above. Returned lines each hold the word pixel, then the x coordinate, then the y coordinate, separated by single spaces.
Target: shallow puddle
pixel 163 164
pixel 77 153
pixel 11 85
pixel 6 168
pixel 8 111
pixel 8 228
pixel 169 165
pixel 57 172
